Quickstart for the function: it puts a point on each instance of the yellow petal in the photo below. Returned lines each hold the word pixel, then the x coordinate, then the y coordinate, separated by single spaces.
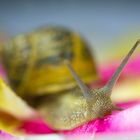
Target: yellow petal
pixel 8 123
pixel 127 90
pixel 12 104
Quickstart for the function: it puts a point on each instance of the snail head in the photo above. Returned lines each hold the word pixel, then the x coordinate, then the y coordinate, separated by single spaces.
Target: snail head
pixel 99 100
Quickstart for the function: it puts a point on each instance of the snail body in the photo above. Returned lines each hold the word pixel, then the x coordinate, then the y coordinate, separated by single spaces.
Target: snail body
pixel 74 109
pixel 71 109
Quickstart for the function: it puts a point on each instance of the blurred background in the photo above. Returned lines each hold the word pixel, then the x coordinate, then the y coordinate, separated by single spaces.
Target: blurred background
pixel 102 23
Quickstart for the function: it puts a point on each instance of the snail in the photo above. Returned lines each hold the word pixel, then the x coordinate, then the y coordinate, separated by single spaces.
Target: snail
pixel 34 64
pixel 33 61
pixel 85 104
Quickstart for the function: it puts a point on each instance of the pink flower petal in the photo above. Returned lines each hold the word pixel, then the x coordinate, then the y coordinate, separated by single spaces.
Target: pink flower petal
pixel 37 126
pixel 6 136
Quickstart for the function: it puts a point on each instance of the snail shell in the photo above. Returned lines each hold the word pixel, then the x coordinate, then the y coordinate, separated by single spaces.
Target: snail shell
pixel 33 61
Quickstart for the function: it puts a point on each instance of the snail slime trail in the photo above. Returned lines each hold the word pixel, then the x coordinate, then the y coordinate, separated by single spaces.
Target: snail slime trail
pixel 73 110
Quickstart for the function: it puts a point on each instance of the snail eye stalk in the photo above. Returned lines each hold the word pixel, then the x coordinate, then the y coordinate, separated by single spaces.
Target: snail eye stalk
pixel 84 88
pixel 110 84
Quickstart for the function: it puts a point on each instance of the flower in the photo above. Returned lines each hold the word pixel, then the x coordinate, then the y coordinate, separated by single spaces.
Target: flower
pixel 118 122
pixel 6 136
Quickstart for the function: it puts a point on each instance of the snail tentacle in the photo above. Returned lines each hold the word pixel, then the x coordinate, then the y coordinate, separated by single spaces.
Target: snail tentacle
pixel 82 85
pixel 110 84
